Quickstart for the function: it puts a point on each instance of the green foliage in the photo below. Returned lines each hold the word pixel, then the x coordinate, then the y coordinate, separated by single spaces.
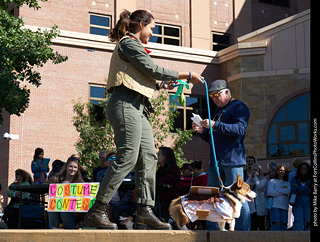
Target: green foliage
pixel 98 135
pixel 4 4
pixel 162 121
pixel 21 51
pixel 94 135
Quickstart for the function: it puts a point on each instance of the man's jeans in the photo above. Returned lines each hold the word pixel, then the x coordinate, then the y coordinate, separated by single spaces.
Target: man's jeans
pixel 229 175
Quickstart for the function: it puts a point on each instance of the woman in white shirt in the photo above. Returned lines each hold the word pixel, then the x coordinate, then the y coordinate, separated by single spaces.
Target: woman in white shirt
pixel 279 190
pixel 258 210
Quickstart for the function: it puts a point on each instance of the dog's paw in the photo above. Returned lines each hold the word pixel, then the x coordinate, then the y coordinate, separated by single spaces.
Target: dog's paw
pixel 184 227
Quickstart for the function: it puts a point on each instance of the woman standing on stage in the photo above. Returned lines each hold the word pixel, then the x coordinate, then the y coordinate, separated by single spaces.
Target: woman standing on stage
pixel 132 81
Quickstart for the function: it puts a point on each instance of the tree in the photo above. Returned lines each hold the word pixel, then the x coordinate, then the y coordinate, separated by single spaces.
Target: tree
pixel 21 51
pixel 96 135
pixel 162 122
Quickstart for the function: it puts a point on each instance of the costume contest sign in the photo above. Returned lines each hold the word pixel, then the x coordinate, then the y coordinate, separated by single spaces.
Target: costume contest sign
pixel 72 197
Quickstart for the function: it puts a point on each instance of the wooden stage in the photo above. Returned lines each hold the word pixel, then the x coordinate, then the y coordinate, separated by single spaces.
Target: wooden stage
pixel 149 235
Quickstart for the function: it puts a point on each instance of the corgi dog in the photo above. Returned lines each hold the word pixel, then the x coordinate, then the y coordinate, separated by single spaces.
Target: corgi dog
pixel 222 208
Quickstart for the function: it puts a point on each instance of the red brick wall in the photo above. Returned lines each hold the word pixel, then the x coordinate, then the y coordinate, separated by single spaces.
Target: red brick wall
pixel 72 15
pixel 173 12
pixel 264 14
pixel 221 15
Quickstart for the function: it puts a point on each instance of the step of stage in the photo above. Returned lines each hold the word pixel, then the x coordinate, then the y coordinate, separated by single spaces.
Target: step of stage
pixel 149 235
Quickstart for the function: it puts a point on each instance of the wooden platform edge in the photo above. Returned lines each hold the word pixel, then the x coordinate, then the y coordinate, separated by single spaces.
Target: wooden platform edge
pixel 150 235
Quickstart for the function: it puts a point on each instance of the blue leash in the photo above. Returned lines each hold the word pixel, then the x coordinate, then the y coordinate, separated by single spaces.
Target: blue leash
pixel 211 136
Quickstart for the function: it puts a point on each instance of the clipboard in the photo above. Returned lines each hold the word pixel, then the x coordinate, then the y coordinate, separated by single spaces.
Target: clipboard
pixel 45 162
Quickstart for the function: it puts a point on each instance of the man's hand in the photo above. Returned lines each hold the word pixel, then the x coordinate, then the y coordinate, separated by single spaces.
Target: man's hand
pixel 205 123
pixel 196 128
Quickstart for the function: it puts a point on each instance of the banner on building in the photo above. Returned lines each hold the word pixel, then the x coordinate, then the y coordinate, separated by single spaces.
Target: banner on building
pixel 72 197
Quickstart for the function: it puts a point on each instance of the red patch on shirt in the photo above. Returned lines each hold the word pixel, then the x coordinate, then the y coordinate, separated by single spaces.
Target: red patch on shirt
pixel 148 51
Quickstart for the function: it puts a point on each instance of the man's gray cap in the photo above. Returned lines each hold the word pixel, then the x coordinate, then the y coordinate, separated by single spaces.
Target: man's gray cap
pixel 217 85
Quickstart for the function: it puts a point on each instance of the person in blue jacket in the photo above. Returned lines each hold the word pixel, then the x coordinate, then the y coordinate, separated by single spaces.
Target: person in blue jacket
pixel 39 166
pixel 229 125
pixel 300 187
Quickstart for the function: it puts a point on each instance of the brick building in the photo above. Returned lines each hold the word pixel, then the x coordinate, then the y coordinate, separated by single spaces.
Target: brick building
pixel 261 47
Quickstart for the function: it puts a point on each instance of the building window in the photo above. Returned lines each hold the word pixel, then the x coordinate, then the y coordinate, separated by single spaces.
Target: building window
pixel 99 24
pixel 282 3
pixel 289 131
pixel 97 94
pixel 220 41
pixel 193 104
pixel 166 34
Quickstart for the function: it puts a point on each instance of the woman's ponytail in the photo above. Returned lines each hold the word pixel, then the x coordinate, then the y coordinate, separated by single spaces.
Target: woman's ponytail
pixel 128 22
pixel 121 28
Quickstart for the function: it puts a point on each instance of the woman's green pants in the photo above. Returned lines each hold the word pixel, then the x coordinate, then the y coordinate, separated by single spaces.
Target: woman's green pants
pixel 133 137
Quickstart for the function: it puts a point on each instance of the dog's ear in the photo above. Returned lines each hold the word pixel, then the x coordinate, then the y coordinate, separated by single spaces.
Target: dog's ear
pixel 239 181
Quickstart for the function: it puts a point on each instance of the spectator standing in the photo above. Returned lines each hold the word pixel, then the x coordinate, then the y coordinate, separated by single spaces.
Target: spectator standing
pixel 279 189
pixel 258 184
pixel 229 126
pixel 300 187
pixel 70 173
pixel 103 165
pixel 251 160
pixel 168 179
pixel 110 156
pixel 39 166
pixel 272 167
pixel 295 163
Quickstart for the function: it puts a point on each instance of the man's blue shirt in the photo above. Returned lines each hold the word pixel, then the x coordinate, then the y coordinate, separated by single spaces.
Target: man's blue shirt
pixel 229 132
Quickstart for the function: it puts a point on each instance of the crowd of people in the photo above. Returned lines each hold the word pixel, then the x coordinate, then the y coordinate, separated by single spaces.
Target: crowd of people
pixel 282 202
pixel 283 198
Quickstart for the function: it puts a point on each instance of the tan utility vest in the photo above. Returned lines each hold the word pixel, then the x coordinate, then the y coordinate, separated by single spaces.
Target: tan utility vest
pixel 122 72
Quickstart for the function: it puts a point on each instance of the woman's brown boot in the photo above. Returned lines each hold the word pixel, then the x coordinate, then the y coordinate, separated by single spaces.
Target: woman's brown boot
pixel 147 220
pixel 97 217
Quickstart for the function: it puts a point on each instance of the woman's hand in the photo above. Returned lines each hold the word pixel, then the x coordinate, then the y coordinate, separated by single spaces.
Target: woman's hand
pixel 169 85
pixel 191 76
pixel 196 78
